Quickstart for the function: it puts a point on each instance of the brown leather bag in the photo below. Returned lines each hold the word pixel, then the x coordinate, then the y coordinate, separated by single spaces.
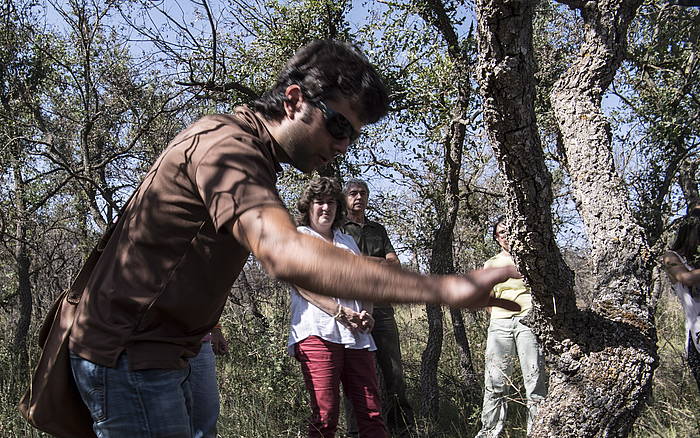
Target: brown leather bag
pixel 52 402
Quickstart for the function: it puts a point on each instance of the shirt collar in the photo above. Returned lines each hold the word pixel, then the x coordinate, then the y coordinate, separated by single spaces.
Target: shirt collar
pixel 336 233
pixel 349 221
pixel 257 127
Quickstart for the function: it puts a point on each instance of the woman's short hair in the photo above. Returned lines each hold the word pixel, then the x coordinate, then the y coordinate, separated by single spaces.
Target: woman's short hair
pixel 329 69
pixel 321 187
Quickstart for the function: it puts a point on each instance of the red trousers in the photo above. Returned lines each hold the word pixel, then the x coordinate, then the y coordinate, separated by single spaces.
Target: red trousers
pixel 324 366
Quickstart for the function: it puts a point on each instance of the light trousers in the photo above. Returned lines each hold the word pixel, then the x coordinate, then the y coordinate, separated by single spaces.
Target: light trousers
pixel 506 338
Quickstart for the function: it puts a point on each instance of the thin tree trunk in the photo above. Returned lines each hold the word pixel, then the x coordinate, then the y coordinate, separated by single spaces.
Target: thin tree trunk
pixel 687 176
pixel 441 261
pixel 602 359
pixel 447 201
pixel 430 389
pixel 652 214
pixel 471 380
pixel 22 270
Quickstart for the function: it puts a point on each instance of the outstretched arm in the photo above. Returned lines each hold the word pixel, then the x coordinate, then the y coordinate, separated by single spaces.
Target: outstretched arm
pixel 312 264
pixel 678 272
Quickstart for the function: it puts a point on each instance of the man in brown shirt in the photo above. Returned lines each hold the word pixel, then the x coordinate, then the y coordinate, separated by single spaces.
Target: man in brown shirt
pixel 207 202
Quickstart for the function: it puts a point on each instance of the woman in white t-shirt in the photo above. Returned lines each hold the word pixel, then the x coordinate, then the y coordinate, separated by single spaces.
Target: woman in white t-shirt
pixel 330 337
pixel 682 263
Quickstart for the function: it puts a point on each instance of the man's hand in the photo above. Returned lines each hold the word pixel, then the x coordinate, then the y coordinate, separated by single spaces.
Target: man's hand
pixel 218 342
pixel 473 290
pixel 679 273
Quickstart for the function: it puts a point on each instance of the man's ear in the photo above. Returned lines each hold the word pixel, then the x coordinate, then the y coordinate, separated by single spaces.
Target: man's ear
pixel 294 100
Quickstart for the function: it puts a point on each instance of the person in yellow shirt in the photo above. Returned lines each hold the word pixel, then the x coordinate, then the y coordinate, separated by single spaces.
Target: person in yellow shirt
pixel 506 337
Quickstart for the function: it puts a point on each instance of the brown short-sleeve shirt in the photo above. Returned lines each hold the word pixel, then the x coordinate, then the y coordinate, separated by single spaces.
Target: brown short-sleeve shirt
pixel 164 277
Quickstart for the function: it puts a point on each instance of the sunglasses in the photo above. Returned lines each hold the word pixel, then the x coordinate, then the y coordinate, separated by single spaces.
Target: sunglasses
pixel 338 126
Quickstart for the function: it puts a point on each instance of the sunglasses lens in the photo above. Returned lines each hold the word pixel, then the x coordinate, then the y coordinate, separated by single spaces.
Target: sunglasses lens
pixel 339 127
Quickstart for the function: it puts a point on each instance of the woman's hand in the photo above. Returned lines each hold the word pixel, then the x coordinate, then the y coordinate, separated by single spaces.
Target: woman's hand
pixel 355 321
pixel 348 317
pixel 367 321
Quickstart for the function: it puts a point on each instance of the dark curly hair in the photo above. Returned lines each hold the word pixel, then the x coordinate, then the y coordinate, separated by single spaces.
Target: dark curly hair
pixel 321 188
pixel 499 221
pixel 329 69
pixel 688 237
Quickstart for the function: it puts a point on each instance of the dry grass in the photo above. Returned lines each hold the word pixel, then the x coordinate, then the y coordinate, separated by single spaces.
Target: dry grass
pixel 263 395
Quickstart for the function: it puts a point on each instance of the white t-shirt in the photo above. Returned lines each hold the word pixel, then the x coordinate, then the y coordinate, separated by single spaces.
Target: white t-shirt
pixel 690 301
pixel 308 320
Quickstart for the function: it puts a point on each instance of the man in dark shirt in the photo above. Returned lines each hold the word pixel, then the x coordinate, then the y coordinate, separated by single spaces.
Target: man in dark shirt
pixel 372 239
pixel 208 202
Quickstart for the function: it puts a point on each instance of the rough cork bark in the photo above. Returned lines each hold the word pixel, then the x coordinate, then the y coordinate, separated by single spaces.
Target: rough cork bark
pixel 601 359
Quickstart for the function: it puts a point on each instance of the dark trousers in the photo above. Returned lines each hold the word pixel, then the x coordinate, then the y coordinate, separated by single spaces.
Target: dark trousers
pixel 396 410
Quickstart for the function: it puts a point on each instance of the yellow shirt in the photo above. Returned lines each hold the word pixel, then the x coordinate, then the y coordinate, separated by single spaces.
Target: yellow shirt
pixel 513 289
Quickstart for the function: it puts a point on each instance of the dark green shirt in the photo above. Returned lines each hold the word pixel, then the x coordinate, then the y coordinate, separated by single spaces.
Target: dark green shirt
pixel 371 238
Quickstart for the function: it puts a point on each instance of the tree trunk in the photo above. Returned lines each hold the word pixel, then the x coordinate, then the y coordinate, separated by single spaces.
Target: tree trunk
pixel 441 261
pixel 24 293
pixel 601 359
pixel 687 176
pixel 430 389
pixel 447 201
pixel 651 214
pixel 472 391
pixel 22 270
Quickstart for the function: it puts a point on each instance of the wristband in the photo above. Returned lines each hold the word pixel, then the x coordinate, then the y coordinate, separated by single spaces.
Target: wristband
pixel 339 313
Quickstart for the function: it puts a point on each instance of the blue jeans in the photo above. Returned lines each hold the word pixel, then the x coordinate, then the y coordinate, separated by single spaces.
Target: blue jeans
pixel 134 404
pixel 205 393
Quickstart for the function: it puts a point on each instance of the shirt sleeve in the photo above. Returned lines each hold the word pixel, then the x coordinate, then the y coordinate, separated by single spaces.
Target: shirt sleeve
pixel 235 174
pixel 388 247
